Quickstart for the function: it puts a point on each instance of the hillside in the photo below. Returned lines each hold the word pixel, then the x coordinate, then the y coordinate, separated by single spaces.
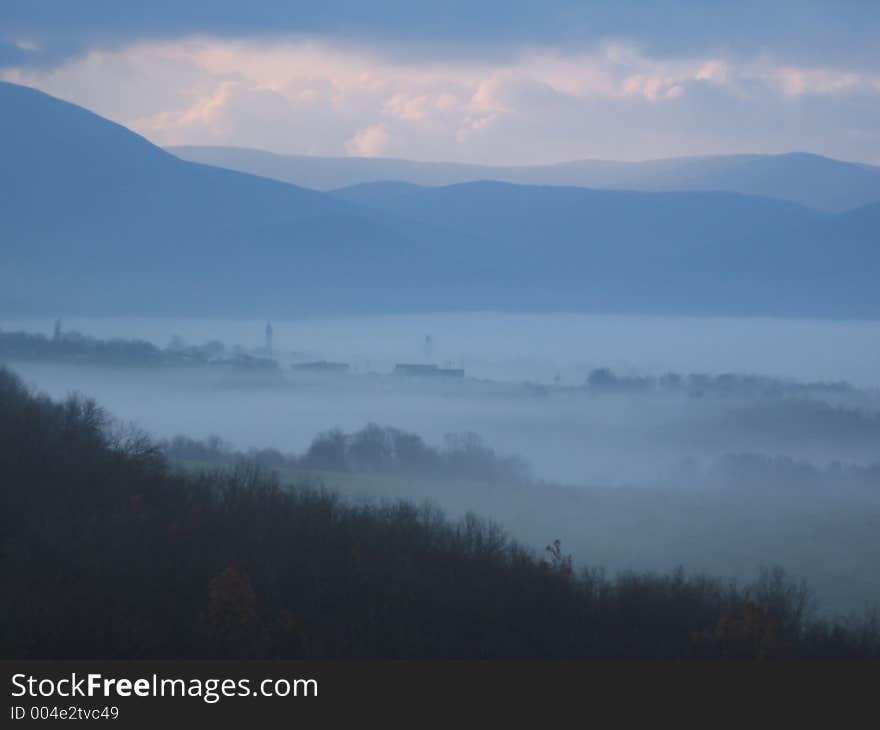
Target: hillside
pixel 681 252
pixel 108 553
pixel 95 219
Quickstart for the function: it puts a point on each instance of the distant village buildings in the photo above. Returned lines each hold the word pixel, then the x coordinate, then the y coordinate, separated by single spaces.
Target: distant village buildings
pixel 429 370
pixel 322 366
pixel 328 367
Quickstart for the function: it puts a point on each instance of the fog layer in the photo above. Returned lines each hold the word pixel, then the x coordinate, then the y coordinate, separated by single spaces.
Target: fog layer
pixel 632 468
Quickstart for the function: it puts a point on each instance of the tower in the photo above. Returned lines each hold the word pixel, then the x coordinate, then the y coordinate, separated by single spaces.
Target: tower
pixel 429 347
pixel 270 333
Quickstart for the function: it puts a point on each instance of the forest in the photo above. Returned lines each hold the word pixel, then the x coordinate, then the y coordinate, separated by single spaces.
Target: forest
pixel 109 551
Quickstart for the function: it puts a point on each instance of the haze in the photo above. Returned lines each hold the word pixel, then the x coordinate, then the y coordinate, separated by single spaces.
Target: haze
pixel 630 304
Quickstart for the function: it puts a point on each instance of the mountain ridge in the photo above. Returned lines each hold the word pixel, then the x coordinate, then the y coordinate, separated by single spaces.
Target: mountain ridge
pixel 95 219
pixel 89 208
pixel 801 177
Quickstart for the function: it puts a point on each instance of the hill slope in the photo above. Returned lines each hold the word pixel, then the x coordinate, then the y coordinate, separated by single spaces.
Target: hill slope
pixel 95 219
pixel 687 252
pixel 811 180
pixel 109 553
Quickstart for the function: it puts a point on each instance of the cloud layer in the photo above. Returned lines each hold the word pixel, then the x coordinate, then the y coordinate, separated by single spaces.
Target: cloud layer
pixel 541 103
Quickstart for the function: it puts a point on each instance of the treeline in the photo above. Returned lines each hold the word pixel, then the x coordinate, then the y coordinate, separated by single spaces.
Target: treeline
pixel 72 346
pixel 374 450
pixel 78 347
pixel 760 472
pixel 385 450
pixel 702 384
pixel 108 552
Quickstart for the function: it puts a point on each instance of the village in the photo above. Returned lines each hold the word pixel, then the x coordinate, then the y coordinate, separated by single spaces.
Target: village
pixel 75 347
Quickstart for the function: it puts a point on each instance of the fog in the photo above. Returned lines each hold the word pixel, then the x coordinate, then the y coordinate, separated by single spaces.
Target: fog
pixel 627 478
pixel 568 435
pixel 515 347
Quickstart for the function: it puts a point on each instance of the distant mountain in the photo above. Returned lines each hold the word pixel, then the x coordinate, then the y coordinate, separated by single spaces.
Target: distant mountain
pixel 731 253
pixel 811 180
pixel 94 218
pixel 571 229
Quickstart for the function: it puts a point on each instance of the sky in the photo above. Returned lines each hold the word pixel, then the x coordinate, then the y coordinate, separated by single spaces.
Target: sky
pixel 493 82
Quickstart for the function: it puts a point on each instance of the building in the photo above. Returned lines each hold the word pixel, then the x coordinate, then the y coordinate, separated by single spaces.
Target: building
pixel 431 371
pixel 270 336
pixel 322 366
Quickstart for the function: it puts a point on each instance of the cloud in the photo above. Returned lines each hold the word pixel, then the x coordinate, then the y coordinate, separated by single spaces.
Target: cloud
pixel 311 96
pixel 714 71
pixel 799 81
pixel 369 142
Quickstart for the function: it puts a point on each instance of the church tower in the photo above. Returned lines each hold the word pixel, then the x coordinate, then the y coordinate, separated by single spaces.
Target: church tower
pixel 270 333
